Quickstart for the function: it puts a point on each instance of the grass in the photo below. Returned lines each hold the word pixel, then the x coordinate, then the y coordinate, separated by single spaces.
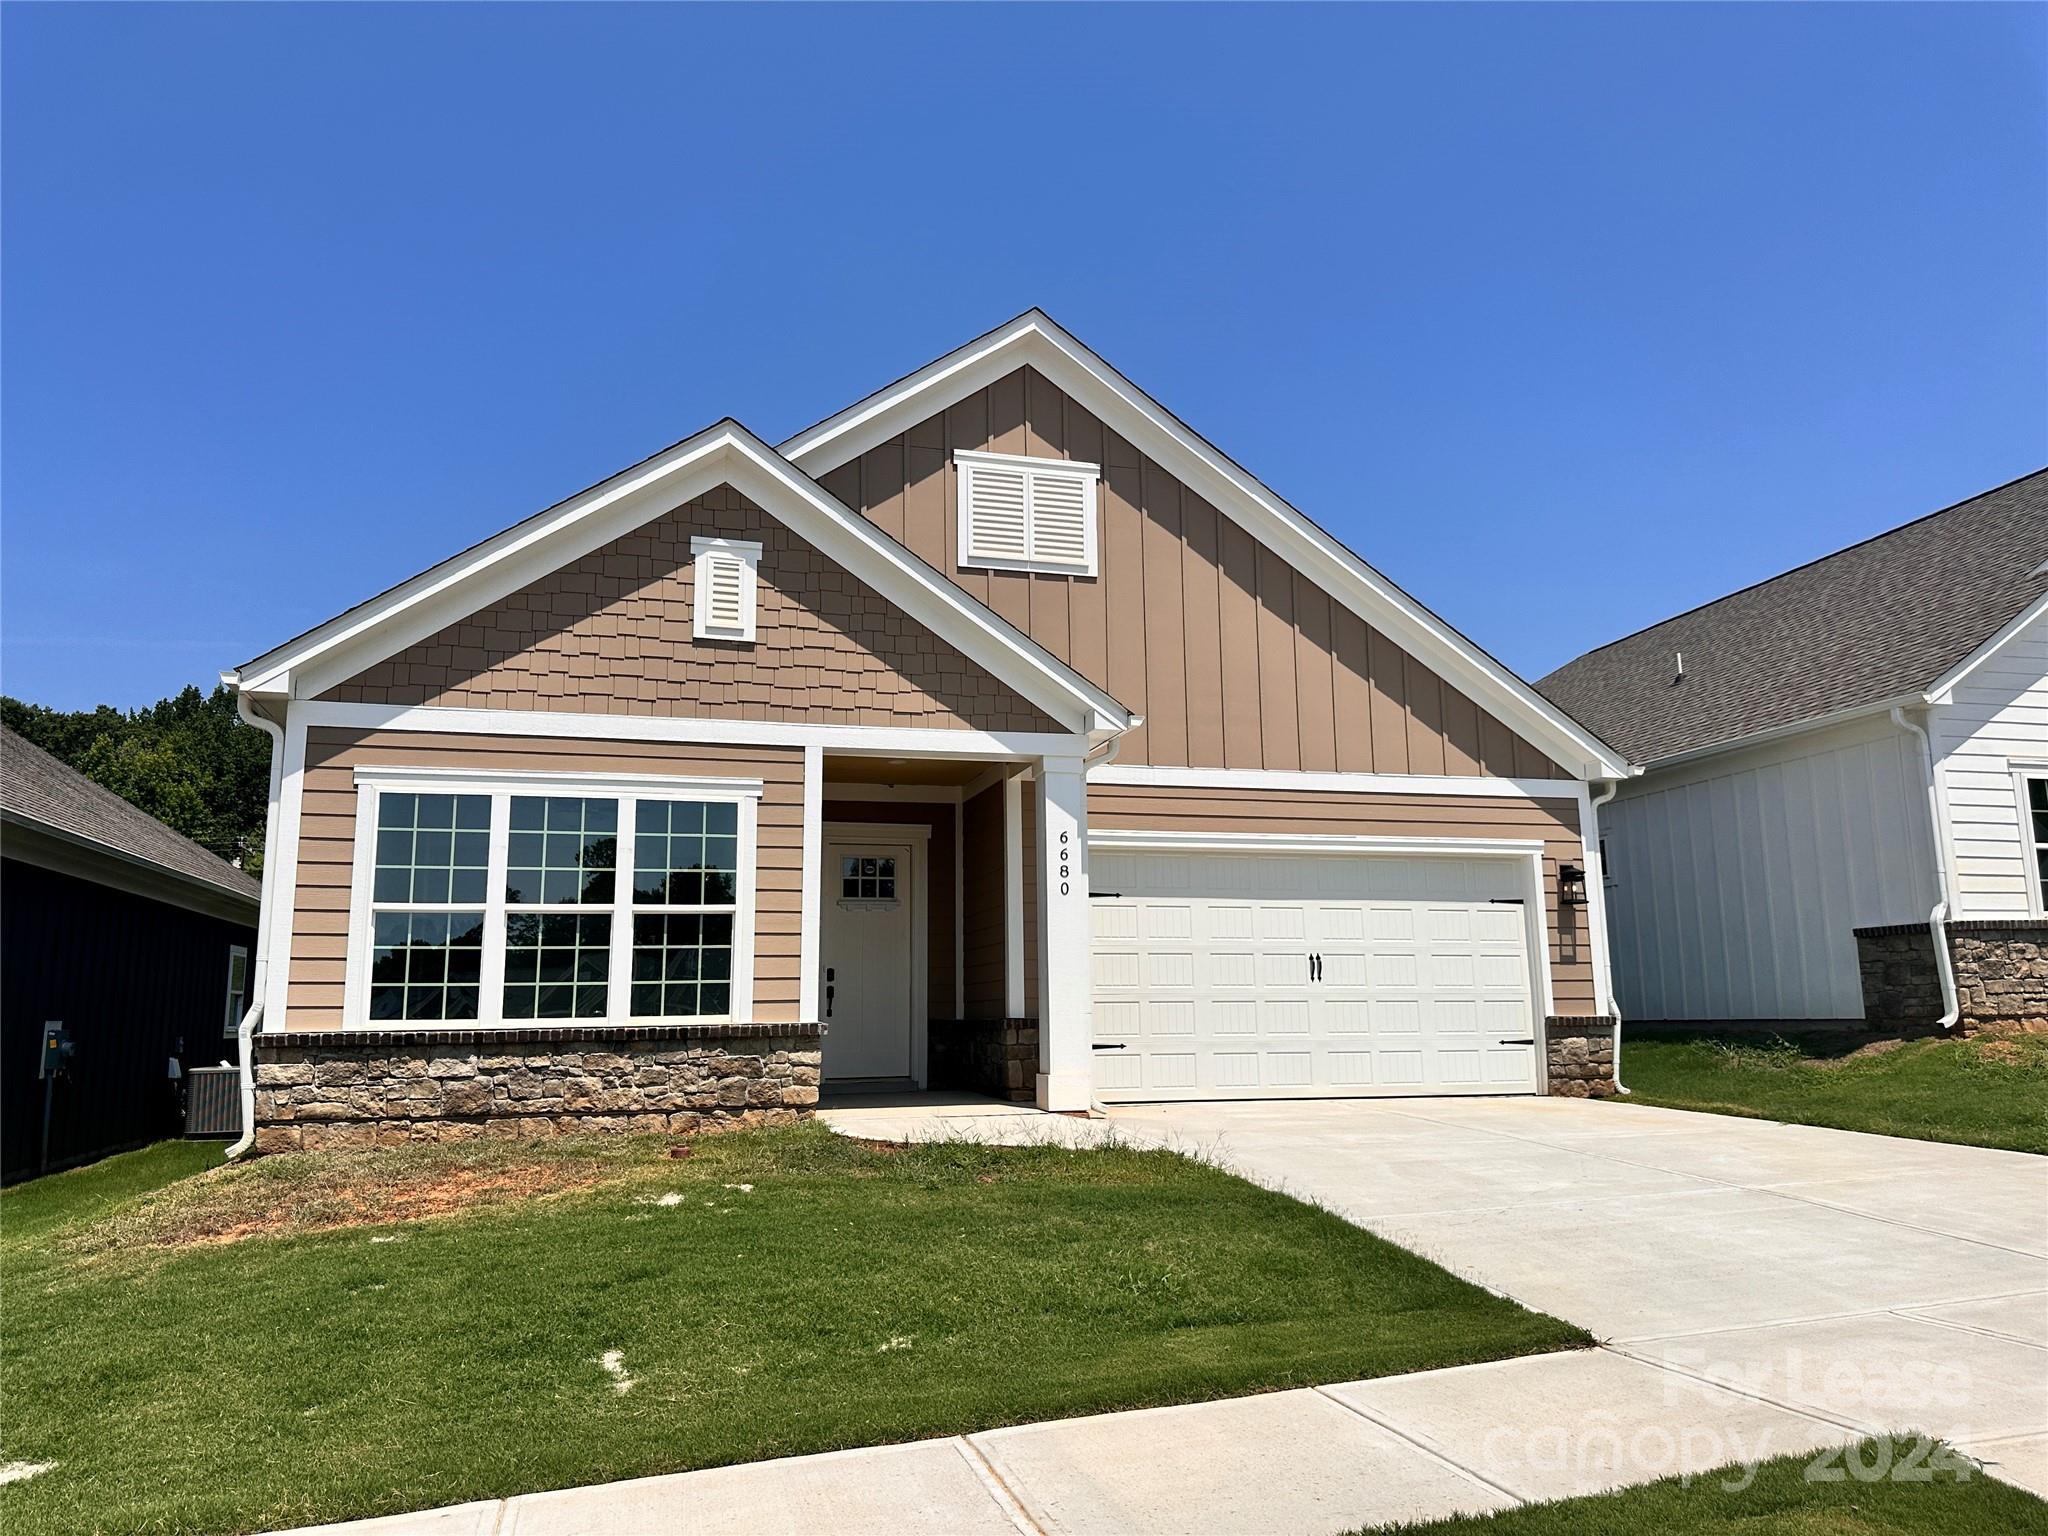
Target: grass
pixel 325 1368
pixel 1781 1500
pixel 1986 1092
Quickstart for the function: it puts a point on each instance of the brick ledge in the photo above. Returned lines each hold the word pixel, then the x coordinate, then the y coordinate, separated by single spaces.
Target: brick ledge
pixel 568 1034
pixel 1963 925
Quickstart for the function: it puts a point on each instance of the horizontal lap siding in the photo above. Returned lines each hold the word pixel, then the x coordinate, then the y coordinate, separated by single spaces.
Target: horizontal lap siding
pixel 1115 807
pixel 1235 659
pixel 326 849
pixel 1999 718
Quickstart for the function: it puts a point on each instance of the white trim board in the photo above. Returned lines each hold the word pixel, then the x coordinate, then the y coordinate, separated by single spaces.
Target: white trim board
pixel 1337 783
pixel 850 740
pixel 1123 840
pixel 723 454
pixel 1034 338
pixel 490 780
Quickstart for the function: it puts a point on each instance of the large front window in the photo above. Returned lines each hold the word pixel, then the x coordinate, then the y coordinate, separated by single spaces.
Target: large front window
pixel 2034 832
pixel 489 903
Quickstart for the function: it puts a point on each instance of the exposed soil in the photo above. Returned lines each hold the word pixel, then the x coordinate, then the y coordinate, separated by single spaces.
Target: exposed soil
pixel 385 1204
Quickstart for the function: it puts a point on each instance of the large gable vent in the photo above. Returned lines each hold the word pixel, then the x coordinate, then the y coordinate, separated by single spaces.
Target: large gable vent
pixel 1019 514
pixel 723 573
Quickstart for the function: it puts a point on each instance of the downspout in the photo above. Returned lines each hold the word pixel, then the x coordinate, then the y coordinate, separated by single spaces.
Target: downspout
pixel 1598 859
pixel 1937 920
pixel 252 1020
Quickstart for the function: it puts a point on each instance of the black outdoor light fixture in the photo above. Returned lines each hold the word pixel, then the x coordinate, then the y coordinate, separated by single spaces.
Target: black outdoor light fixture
pixel 1571 884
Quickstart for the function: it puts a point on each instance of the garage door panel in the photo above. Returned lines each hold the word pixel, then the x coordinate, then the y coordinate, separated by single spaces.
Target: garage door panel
pixel 1203 976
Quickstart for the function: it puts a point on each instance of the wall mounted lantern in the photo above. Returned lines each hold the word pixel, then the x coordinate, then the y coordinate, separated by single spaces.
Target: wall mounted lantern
pixel 1571 885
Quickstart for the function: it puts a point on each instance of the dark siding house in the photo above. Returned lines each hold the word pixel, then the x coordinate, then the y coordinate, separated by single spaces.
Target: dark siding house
pixel 140 942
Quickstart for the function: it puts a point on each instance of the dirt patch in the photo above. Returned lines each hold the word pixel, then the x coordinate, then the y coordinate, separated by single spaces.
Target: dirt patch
pixel 1864 1052
pixel 389 1204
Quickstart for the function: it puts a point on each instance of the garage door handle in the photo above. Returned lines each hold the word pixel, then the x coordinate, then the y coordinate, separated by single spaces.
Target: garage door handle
pixel 1100 1046
pixel 1530 1041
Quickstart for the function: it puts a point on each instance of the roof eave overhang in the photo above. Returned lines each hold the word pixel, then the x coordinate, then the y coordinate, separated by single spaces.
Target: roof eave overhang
pixel 1035 339
pixel 1943 689
pixel 726 453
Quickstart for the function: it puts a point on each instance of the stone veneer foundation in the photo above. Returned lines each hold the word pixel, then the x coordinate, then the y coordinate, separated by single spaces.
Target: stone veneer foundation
pixel 318 1089
pixel 998 1057
pixel 1579 1057
pixel 2001 970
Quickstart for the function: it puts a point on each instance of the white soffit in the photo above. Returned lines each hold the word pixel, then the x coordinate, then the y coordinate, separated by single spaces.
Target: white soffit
pixel 1035 339
pixel 727 453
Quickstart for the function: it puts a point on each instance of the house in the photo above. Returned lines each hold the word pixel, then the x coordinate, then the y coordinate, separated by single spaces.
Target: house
pixel 134 939
pixel 997 731
pixel 1843 809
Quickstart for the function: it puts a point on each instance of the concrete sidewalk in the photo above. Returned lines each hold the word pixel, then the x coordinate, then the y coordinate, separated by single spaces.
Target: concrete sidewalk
pixel 1764 1290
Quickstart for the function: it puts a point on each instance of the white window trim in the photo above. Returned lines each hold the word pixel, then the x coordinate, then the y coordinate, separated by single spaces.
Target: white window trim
pixel 233 1017
pixel 501 785
pixel 2030 855
pixel 966 461
pixel 749 555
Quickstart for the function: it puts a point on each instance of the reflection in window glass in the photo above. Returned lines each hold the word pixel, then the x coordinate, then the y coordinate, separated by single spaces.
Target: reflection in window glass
pixel 556 964
pixel 425 965
pixel 686 853
pixel 562 851
pixel 867 879
pixel 682 965
pixel 432 849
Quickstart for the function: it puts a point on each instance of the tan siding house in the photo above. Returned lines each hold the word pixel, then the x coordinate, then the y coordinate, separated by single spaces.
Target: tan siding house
pixel 997 732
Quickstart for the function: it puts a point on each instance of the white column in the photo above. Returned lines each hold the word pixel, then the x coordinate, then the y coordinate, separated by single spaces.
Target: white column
pixel 814 885
pixel 1066 1072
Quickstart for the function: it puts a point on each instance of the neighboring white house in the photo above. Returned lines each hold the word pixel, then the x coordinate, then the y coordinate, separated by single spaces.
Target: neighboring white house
pixel 1785 800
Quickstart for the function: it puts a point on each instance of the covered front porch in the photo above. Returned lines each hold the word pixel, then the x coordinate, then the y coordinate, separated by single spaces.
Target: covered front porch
pixel 934 880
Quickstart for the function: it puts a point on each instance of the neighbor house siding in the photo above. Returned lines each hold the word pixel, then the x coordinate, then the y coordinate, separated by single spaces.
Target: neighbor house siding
pixel 1998 721
pixel 611 633
pixel 981 834
pixel 1234 658
pixel 1735 884
pixel 1118 807
pixel 326 847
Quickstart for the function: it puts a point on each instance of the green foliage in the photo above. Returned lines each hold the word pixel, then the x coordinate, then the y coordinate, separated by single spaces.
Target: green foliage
pixel 189 761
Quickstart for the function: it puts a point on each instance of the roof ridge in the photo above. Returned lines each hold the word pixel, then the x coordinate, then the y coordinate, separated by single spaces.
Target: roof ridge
pixel 1808 565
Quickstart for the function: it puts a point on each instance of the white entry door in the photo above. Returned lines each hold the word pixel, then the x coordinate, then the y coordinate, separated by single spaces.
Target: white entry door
pixel 868 990
pixel 1221 976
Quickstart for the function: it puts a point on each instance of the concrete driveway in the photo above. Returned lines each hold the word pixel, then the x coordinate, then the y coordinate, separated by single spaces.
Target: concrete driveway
pixel 1879 1282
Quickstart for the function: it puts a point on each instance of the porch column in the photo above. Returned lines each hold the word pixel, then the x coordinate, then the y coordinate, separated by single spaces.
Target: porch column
pixel 1066 1073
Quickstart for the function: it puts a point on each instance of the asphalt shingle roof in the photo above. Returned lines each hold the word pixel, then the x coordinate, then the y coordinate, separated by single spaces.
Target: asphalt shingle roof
pixel 35 787
pixel 1875 621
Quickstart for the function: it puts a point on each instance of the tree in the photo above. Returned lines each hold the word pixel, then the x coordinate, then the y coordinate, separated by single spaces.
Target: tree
pixel 189 761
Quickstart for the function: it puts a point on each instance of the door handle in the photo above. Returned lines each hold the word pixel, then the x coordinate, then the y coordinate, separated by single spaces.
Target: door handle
pixel 1106 1046
pixel 830 972
pixel 1530 1041
pixel 1315 967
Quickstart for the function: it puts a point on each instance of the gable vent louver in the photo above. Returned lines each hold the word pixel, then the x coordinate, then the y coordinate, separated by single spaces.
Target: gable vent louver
pixel 724 574
pixel 1027 514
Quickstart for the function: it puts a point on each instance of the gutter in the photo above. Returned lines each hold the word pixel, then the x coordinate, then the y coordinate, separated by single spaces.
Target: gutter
pixel 245 1033
pixel 1937 919
pixel 1598 872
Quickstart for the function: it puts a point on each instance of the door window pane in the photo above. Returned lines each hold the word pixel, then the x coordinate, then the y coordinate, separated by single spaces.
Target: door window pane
pixel 867 879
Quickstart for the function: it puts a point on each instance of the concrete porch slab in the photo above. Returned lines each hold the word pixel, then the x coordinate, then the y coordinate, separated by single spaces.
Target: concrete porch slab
pixel 941 1116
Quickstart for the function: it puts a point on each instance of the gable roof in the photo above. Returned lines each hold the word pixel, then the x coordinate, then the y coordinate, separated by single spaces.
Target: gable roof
pixel 725 453
pixel 1892 619
pixel 39 792
pixel 1035 339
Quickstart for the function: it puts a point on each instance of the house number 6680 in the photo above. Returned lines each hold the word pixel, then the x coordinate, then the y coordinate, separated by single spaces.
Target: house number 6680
pixel 1066 869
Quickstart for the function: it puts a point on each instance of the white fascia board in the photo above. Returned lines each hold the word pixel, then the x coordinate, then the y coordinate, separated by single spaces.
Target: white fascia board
pixel 1276 779
pixel 726 453
pixel 1772 734
pixel 852 740
pixel 1036 339
pixel 1943 690
pixel 1119 840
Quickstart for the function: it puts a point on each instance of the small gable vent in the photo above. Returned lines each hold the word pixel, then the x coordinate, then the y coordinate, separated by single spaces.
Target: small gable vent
pixel 723 573
pixel 1019 514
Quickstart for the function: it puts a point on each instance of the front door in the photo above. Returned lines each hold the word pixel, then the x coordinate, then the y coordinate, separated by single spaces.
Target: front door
pixel 868 990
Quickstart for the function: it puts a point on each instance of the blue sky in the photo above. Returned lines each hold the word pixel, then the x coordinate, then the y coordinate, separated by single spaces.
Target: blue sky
pixel 1567 318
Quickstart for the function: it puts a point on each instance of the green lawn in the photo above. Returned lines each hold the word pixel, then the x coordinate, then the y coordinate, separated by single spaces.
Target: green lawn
pixel 853 1295
pixel 1986 1092
pixel 1781 1501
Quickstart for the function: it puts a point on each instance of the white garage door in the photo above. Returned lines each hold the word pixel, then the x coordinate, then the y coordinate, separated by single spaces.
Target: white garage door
pixel 1239 976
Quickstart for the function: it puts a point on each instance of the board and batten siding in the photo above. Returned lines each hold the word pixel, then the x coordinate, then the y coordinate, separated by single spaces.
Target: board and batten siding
pixel 327 825
pixel 1998 722
pixel 1234 658
pixel 1735 885
pixel 1125 807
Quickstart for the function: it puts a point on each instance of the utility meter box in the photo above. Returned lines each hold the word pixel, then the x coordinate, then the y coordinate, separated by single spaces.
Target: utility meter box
pixel 57 1049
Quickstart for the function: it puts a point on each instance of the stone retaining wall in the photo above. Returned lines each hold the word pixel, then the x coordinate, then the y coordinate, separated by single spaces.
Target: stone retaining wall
pixel 385 1087
pixel 1579 1057
pixel 2001 971
pixel 998 1057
